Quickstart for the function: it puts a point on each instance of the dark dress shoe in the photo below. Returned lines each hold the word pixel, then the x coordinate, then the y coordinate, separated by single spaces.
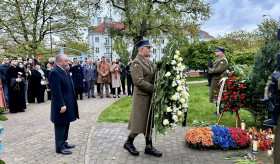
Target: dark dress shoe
pixel 108 96
pixel 128 145
pixel 69 146
pixel 93 96
pixel 64 152
pixel 152 151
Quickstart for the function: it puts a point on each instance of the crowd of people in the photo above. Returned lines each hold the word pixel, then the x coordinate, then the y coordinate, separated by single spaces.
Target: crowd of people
pixel 24 81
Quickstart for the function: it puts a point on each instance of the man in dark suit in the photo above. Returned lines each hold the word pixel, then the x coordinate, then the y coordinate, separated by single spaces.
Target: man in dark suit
pixel 64 108
pixel 91 77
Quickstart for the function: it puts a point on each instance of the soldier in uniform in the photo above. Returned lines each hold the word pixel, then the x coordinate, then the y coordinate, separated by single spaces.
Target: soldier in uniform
pixel 141 120
pixel 219 66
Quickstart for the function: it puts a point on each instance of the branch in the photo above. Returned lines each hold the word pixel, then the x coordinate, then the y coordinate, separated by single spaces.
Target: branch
pixel 116 6
pixel 21 21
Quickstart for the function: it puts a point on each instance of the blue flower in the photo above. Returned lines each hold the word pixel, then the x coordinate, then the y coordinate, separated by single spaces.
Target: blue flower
pixel 1 147
pixel 1 131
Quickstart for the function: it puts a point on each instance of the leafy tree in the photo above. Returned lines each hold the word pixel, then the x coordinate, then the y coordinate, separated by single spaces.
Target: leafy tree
pixel 264 65
pixel 81 46
pixel 243 40
pixel 28 23
pixel 244 57
pixel 119 47
pixel 148 18
pixel 196 54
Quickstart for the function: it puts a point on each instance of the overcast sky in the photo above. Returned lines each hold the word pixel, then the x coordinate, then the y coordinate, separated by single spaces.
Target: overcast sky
pixel 244 14
pixel 230 15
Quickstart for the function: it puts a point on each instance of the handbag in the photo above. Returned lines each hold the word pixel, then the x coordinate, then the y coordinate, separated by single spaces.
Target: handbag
pixel 104 79
pixel 44 82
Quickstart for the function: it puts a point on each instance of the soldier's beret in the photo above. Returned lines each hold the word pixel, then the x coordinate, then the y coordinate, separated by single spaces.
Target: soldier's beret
pixel 145 43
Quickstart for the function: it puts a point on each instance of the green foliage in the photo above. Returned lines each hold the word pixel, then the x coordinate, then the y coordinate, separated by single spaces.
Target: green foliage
pixel 2 118
pixel 264 65
pixel 243 40
pixel 26 24
pixel 119 111
pixel 244 57
pixel 196 54
pixel 119 47
pixel 147 18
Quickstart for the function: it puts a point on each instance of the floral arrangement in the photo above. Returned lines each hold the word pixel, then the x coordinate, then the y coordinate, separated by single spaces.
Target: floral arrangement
pixel 240 136
pixel 217 137
pixel 170 99
pixel 199 137
pixel 231 93
pixel 1 131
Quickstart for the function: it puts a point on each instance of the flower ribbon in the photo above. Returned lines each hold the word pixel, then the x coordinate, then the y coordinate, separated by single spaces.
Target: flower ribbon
pixel 223 80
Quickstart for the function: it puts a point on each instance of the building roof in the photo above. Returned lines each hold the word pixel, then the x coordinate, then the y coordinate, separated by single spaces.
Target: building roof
pixel 101 30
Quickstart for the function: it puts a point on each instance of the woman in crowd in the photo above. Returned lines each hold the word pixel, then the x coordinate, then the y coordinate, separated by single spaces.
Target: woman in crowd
pixel 21 65
pixel 78 77
pixel 39 83
pixel 48 71
pixel 116 79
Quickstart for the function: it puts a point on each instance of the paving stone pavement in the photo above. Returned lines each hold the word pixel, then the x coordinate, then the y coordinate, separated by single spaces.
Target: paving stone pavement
pixel 29 138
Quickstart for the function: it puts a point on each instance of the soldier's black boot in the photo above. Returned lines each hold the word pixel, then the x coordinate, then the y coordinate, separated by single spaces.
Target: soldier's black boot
pixel 128 145
pixel 150 149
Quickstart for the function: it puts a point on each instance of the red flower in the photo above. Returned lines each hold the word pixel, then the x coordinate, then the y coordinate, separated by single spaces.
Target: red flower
pixel 242 96
pixel 233 78
pixel 233 110
pixel 229 92
pixel 226 109
pixel 234 93
pixel 240 104
pixel 242 85
pixel 226 105
pixel 230 74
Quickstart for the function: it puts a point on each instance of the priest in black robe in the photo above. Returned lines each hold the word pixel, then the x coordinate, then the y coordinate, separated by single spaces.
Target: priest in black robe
pixel 16 80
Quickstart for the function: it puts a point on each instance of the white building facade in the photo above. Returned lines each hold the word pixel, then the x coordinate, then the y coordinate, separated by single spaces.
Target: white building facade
pixel 101 43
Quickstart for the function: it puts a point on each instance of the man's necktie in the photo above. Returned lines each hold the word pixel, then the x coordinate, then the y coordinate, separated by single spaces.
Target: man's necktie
pixel 65 72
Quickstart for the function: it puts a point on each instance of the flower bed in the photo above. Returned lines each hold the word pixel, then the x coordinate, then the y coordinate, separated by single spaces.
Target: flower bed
pixel 217 137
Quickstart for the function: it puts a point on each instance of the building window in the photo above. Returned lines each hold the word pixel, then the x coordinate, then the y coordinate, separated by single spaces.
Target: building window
pixel 154 51
pixel 107 41
pixel 107 50
pixel 163 41
pixel 96 39
pixel 106 30
pixel 97 50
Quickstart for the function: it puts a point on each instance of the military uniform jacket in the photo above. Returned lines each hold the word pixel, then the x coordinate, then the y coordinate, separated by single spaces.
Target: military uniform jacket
pixel 142 72
pixel 219 66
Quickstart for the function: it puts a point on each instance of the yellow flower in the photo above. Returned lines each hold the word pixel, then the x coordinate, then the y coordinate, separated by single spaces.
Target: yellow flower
pixel 165 122
pixel 182 100
pixel 180 59
pixel 167 74
pixel 168 109
pixel 177 52
pixel 179 113
pixel 179 88
pixel 173 62
pixel 174 97
pixel 177 77
pixel 175 118
pixel 176 56
pixel 179 65
pixel 185 105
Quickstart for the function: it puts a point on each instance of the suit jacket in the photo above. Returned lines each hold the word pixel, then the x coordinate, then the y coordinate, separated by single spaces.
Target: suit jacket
pixel 100 69
pixel 142 72
pixel 62 92
pixel 90 72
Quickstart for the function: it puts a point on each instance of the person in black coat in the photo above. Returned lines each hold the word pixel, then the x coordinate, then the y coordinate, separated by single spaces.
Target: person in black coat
pixel 64 108
pixel 130 84
pixel 38 75
pixel 123 76
pixel 78 78
pixel 15 77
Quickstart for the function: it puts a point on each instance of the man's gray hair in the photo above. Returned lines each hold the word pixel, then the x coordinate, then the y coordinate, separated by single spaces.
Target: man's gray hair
pixel 59 56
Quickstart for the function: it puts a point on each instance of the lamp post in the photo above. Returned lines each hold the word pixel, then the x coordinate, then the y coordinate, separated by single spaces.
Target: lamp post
pixel 51 33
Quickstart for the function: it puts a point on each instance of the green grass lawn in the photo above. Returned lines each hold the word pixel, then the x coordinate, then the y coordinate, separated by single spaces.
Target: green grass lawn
pixel 201 78
pixel 199 109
